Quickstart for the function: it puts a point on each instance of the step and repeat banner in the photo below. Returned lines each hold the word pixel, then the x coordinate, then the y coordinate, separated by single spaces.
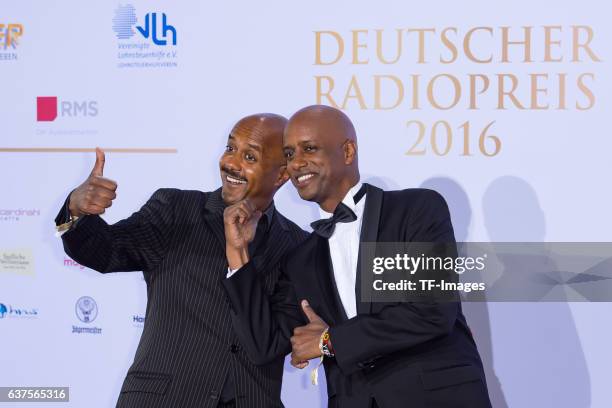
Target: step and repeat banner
pixel 504 108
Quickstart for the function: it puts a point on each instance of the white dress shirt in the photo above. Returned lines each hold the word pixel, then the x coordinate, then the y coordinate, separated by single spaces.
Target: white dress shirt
pixel 344 250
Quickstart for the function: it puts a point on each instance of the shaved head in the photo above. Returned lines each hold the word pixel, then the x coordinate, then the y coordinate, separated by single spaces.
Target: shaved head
pixel 253 165
pixel 321 149
pixel 267 129
pixel 325 119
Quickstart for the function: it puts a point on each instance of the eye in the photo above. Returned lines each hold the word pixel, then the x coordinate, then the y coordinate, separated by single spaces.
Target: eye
pixel 249 157
pixel 229 149
pixel 310 148
pixel 288 154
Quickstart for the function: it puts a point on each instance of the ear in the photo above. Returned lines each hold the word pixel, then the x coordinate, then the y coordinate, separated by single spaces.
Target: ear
pixel 283 176
pixel 350 151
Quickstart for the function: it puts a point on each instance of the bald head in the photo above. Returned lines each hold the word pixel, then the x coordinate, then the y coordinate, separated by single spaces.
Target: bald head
pixel 253 165
pixel 321 149
pixel 266 129
pixel 326 120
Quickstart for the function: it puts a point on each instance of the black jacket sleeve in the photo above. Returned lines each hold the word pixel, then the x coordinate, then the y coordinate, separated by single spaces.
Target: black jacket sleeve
pixel 264 322
pixel 360 341
pixel 137 243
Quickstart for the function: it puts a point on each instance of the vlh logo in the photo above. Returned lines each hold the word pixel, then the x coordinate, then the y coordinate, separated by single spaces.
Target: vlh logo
pixel 125 20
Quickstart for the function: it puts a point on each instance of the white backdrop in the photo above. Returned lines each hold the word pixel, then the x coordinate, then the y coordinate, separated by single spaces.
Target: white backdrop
pixel 539 173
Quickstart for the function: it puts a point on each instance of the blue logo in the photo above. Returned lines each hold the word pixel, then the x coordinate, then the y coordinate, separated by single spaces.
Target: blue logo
pixel 123 22
pixel 86 309
pixel 165 28
pixel 10 311
pixel 125 19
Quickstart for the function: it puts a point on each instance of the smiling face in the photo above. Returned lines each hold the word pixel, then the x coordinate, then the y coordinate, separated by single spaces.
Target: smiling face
pixel 314 163
pixel 252 165
pixel 321 153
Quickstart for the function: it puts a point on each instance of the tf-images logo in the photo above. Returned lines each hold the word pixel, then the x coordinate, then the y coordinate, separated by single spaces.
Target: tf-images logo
pixel 86 310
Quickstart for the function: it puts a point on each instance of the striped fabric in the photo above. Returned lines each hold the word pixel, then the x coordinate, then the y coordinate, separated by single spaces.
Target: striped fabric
pixel 188 346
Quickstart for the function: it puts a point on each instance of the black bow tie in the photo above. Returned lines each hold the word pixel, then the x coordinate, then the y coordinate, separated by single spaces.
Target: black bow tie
pixel 325 227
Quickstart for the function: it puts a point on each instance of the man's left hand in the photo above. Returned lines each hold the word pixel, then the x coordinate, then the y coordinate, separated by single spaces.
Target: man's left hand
pixel 305 340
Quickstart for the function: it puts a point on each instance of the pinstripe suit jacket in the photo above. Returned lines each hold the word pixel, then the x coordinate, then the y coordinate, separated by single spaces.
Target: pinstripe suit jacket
pixel 188 346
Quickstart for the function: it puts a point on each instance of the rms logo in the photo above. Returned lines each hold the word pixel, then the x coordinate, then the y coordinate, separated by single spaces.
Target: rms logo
pixel 48 108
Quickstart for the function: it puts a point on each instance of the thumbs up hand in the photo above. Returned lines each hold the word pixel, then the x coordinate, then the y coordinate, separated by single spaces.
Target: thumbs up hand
pixel 305 339
pixel 96 193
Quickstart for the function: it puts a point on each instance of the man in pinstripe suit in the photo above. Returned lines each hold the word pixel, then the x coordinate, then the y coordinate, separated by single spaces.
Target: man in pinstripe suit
pixel 189 354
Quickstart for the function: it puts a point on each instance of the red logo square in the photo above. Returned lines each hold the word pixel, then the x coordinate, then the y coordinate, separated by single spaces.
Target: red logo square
pixel 46 108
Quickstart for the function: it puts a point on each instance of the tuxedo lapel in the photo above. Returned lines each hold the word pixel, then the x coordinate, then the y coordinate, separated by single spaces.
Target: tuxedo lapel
pixel 369 233
pixel 327 282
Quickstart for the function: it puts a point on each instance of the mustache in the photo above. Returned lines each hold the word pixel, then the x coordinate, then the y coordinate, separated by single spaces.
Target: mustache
pixel 233 173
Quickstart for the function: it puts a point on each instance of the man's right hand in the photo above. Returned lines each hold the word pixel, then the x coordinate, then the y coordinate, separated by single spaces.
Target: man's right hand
pixel 240 221
pixel 96 193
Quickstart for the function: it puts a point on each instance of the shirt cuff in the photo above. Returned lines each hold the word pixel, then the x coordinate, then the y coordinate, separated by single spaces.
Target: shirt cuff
pixel 230 272
pixel 68 226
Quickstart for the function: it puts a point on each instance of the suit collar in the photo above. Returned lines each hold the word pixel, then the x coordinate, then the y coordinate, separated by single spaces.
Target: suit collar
pixel 369 233
pixel 281 220
pixel 371 214
pixel 327 281
pixel 277 243
pixel 214 202
pixel 268 214
pixel 324 267
pixel 214 215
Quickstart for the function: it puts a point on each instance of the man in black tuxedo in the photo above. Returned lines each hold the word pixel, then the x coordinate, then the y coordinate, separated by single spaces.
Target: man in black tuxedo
pixel 189 355
pixel 388 355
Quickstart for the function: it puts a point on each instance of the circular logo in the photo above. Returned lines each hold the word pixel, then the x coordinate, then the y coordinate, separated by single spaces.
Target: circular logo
pixel 86 309
pixel 3 310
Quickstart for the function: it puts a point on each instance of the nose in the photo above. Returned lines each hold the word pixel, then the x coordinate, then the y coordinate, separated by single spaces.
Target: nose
pixel 232 163
pixel 298 162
